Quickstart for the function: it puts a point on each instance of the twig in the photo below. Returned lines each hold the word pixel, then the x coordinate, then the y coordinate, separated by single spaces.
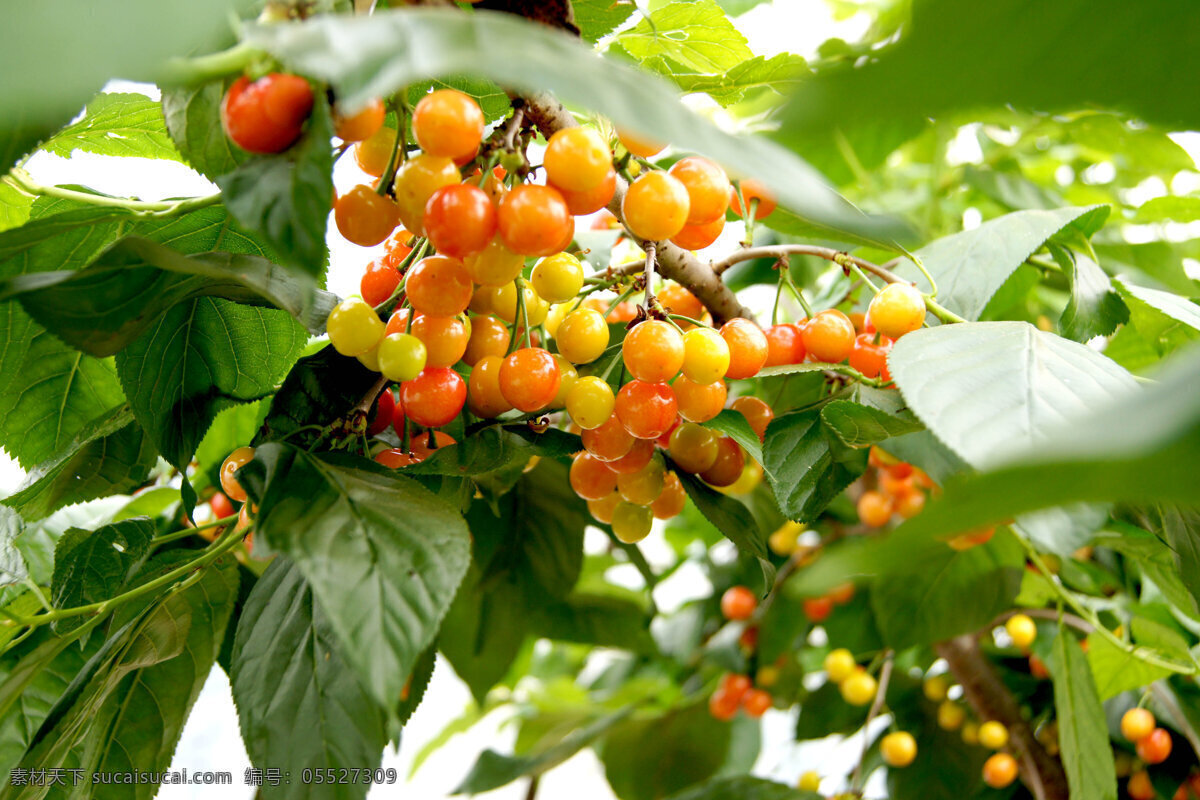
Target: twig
pixel 368 400
pixel 651 247
pixel 514 125
pixel 885 677
pixel 531 792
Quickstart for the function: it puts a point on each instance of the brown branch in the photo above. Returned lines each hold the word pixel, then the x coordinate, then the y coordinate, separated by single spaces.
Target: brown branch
pixel 1041 773
pixel 675 263
pixel 885 677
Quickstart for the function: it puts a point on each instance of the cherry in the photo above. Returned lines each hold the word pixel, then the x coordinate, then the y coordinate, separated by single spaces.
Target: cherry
pixel 898 309
pixel 784 345
pixel 495 265
pixel 378 283
pixel 756 702
pixel 1023 631
pixel 421 448
pixel 993 735
pixel 1154 747
pixel 656 206
pixel 590 402
pixel 738 603
pixel 385 410
pixel 817 609
pixel 602 509
pixel 639 456
pixel 722 706
pixel 874 509
pixel 577 159
pixel 858 688
pixel 870 358
pixel 529 379
pixel 1000 770
pixel 647 410
pixel 679 300
pixel 670 502
pixel 653 351
pixel 736 686
pixel 698 237
pixel 1140 787
pixel 449 124
pixel 221 506
pixel 899 749
pixel 416 181
pixel 756 412
pixel 233 462
pixel 557 278
pixel 535 221
pixel 591 478
pixel 747 348
pixel 582 336
pixel 728 467
pixel 483 388
pixel 693 447
pixel 639 145
pixel 360 125
pixel 592 200
pixel 266 115
pixel 699 402
pixel 439 285
pixel 365 217
pixel 644 486
pixel 1137 724
pixel 608 441
pixel 705 355
pixel 445 339
pixel 372 153
pixel 396 248
pixel 434 397
pixel 353 327
pixel 631 523
pixel 707 188
pixel 460 220
pixel 395 458
pixel 840 665
pixel 753 190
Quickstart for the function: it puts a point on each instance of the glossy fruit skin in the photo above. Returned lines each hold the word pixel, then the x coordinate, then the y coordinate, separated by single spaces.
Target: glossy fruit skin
pixel 372 153
pixel 1153 748
pixel 747 348
pixel 899 749
pixel 698 237
pixel 577 159
pixel 722 706
pixel 840 664
pixel 495 265
pixel 449 124
pixel 221 506
pixel 638 145
pixel 829 336
pixel 631 523
pixel 582 336
pixel 416 181
pixel 267 115
pixel 434 397
pixel 859 688
pixel 736 685
pixel 1022 630
pixel 647 410
pixel 568 376
pixel 365 217
pixel 1000 770
pixel 656 206
pixel 378 282
pixel 993 735
pixel 756 702
pixel 489 337
pixel 935 688
pixel 707 187
pixel 483 388
pixel 679 300
pixel 395 458
pixel 460 220
pixel 705 355
pixel 644 486
pixel 383 413
pixel 874 509
pixel 360 125
pixel 950 715
pixel 609 441
pixel 1137 724
pixel 591 478
pixel 869 357
pixel 558 278
pixel 699 402
pixel 602 509
pixel 671 501
pixel 590 402
pixel 637 458
pixel 756 412
pixel 396 248
pixel 592 200
pixel 439 286
pixel 353 326
pixel 534 220
pixel 653 351
pixel 445 339
pixel 898 309
pixel 738 603
pixel 784 345
pixel 728 467
pixel 693 447
pixel 817 609
pixel 753 190
pixel 529 379
pixel 233 462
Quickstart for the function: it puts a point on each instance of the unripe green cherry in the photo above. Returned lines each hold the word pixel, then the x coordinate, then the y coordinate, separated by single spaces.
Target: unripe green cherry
pixel 558 278
pixel 590 402
pixel 353 327
pixel 631 523
pixel 401 356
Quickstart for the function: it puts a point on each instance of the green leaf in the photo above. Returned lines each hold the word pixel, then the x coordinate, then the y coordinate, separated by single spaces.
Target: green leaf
pixel 365 58
pixel 14 206
pixel 987 389
pixel 858 425
pixel 595 18
pixel 493 770
pixel 485 629
pixel 199 358
pixel 807 465
pixel 1159 562
pixel 110 455
pixel 734 425
pixel 102 308
pixel 743 787
pixel 732 518
pixel 232 428
pixel 596 620
pixel 12 563
pixel 971 266
pixel 193 117
pixel 318 390
pixel 288 675
pixel 286 197
pixel 946 592
pixel 651 757
pixel 1082 731
pixel 824 713
pixel 495 447
pixel 697 35
pixel 1062 531
pixel 91 566
pixel 1182 529
pixel 59 393
pixel 777 75
pixel 1161 209
pixel 400 554
pixel 1095 308
pixel 116 124
pixel 1162 318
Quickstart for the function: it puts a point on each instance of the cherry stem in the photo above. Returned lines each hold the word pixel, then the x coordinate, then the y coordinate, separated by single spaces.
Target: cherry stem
pixel 24 182
pixel 651 249
pixel 389 172
pixel 885 677
pixel 417 252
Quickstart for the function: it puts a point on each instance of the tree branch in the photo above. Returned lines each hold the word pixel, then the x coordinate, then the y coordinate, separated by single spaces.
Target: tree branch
pixel 991 699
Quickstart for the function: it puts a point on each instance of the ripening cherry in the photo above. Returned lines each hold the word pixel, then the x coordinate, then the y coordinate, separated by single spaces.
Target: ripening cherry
pixel 653 351
pixel 693 447
pixel 360 125
pixel 402 357
pixel 372 153
pixel 416 181
pixel 644 486
pixel 378 283
pixel 421 448
pixel 840 665
pixel 1139 787
pixel 647 410
pixel 489 337
pixel 353 327
pixel 591 478
pixel 445 339
pixel 738 603
pixel 1153 748
pixel 698 237
pixel 1137 724
pixel 397 248
pixel 874 508
pixel 678 300
pixel 810 781
pixel 858 689
pixel 726 470
pixel 1022 630
pixel 639 456
pixel 582 336
pixel 439 285
pixel 1000 770
pixel 671 500
pixel 899 749
pixel 756 702
pixel 966 541
pixel 756 412
pixel 870 358
pixel 449 124
pixel 736 686
pixel 753 190
pixel 495 265
pixel 395 458
pixel 484 397
pixel 747 348
pixel 707 187
pixel 535 221
pixel 655 207
pixel 723 706
pixel 460 220
pixel 233 462
pixel 590 402
pixel 699 402
pixel 266 115
pixel 434 397
pixel 592 200
pixel 608 441
pixel 935 688
pixel 568 376
pixel 557 278
pixel 639 145
pixel 631 523
pixel 993 735
pixel 577 159
pixel 221 506
pixel 909 505
pixel 784 345
pixel 817 609
pixel 365 217
pixel 899 308
pixel 950 715
pixel 529 379
pixel 829 336
pixel 602 509
pixel 705 355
